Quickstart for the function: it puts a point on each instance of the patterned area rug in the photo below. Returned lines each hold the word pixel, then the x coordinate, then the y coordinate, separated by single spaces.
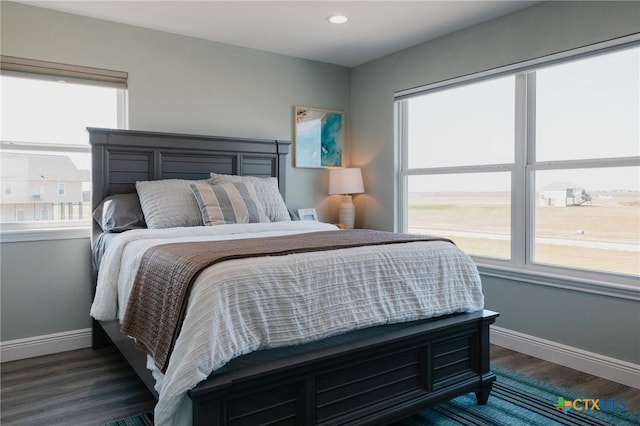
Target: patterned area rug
pixel 145 419
pixel 515 400
pixel 518 400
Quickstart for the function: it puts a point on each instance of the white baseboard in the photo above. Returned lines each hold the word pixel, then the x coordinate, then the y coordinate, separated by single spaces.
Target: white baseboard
pixel 608 368
pixel 30 347
pixel 603 366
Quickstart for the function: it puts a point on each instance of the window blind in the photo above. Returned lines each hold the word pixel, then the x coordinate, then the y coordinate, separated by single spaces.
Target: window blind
pixel 58 71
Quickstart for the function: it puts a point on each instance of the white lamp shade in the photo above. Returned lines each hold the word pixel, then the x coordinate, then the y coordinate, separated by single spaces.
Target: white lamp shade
pixel 345 181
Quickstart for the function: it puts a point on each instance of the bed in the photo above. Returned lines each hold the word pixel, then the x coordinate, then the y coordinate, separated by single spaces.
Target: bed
pixel 375 373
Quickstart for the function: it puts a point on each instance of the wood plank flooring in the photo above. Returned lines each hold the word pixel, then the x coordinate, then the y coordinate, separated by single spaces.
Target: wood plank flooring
pixel 82 387
pixel 87 387
pixel 577 381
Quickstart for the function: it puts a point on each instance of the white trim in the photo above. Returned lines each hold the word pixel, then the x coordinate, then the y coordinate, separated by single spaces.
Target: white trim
pixel 401 126
pixel 519 197
pixel 42 146
pixel 587 163
pixel 484 168
pixel 63 233
pixel 576 282
pixel 613 369
pixel 30 347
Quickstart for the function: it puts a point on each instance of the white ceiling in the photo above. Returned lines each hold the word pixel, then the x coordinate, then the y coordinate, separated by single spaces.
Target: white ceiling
pixel 298 28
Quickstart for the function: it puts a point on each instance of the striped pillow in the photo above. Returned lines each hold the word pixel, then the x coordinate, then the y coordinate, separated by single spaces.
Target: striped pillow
pixel 267 190
pixel 232 202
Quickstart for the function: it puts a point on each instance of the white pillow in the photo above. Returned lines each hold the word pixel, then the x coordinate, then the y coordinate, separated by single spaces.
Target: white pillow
pixel 231 202
pixel 168 203
pixel 267 191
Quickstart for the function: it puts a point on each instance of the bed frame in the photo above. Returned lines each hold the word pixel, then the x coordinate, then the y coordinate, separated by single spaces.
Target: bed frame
pixel 371 380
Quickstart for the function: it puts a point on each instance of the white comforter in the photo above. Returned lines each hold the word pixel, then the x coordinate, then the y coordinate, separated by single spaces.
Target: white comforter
pixel 243 305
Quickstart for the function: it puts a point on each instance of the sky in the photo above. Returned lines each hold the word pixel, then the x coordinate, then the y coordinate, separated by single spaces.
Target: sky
pixel 39 111
pixel 588 108
pixel 54 112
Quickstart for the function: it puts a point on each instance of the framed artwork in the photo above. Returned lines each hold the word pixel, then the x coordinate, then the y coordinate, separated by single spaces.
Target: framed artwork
pixel 307 214
pixel 319 137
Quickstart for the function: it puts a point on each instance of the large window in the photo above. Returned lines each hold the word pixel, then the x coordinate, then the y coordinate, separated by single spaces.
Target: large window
pixel 537 169
pixel 44 152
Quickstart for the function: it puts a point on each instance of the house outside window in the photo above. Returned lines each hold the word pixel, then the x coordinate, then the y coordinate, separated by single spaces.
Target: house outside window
pixel 535 169
pixel 44 145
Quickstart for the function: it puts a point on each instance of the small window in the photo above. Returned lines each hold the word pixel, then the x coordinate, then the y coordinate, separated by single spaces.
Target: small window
pixel 44 147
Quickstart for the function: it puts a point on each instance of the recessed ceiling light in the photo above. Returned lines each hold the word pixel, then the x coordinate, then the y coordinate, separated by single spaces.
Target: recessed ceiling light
pixel 337 19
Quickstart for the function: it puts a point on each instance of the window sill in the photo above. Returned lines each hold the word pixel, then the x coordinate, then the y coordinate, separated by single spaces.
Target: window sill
pixel 44 234
pixel 565 281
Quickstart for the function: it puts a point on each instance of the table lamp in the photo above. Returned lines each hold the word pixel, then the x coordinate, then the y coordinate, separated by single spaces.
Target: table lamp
pixel 346 181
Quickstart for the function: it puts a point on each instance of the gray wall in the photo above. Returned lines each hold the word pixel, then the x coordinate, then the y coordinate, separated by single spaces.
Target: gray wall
pixel 176 84
pixel 600 324
pixel 605 325
pixel 45 287
pixel 182 84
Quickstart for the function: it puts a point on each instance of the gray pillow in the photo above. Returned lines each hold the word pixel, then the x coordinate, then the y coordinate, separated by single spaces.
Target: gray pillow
pixel 266 190
pixel 169 203
pixel 231 202
pixel 119 213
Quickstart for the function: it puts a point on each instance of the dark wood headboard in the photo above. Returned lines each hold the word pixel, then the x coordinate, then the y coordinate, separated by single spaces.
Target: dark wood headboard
pixel 122 157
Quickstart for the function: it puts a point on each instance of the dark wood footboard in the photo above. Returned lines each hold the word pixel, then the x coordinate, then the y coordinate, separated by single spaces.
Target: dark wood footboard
pixel 373 381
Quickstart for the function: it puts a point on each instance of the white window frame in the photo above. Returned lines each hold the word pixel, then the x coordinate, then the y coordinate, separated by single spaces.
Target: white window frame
pixel 521 267
pixel 45 70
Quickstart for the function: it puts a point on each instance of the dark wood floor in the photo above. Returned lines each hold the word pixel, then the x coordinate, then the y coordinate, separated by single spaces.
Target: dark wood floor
pixel 82 387
pixel 87 387
pixel 582 383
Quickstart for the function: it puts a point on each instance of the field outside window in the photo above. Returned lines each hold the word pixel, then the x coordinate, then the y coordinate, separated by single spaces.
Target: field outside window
pixel 596 229
pixel 452 206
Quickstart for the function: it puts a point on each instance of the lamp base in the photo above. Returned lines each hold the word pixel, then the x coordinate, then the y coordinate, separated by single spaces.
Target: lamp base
pixel 347 212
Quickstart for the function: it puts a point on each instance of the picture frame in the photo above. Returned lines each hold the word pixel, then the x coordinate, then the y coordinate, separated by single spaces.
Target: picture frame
pixel 308 214
pixel 319 137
